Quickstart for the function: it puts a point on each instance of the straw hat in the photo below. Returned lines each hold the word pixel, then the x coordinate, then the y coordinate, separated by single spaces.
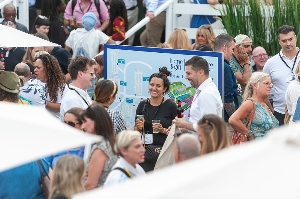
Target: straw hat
pixel 9 82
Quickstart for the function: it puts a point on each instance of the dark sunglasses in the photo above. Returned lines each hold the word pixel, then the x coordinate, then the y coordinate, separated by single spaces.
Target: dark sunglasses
pixel 10 14
pixel 181 29
pixel 206 26
pixel 11 23
pixel 72 124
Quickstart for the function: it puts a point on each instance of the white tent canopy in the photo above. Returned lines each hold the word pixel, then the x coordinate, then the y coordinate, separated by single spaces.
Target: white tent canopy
pixel 268 168
pixel 28 133
pixel 11 37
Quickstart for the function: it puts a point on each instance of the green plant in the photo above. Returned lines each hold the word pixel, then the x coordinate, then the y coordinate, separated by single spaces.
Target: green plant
pixel 261 21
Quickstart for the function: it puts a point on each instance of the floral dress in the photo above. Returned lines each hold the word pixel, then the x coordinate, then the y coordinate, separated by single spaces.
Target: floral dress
pixel 262 122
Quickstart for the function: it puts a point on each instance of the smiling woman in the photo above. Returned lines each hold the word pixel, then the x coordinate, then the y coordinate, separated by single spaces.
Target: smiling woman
pixel 158 108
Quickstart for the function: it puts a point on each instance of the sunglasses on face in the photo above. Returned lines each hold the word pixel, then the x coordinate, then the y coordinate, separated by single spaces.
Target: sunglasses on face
pixel 10 14
pixel 72 124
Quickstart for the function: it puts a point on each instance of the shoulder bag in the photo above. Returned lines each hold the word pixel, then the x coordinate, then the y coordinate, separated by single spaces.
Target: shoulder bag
pixel 238 138
pixel 45 182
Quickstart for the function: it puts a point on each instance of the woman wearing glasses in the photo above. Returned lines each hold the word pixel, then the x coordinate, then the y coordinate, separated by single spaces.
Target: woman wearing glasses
pixel 71 118
pixel 212 133
pixel 41 25
pixel 257 91
pixel 47 70
pixel 204 35
pixel 105 95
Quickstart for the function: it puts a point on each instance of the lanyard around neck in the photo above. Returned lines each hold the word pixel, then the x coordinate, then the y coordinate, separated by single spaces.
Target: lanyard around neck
pixel 292 69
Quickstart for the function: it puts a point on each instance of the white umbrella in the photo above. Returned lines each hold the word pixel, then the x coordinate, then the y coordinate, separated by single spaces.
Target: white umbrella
pixel 268 168
pixel 28 133
pixel 11 37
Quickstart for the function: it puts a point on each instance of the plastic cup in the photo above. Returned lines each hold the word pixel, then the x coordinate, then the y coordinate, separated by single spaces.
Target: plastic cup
pixel 155 122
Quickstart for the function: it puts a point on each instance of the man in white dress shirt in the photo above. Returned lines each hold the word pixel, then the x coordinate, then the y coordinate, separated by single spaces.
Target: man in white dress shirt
pixel 82 74
pixel 207 99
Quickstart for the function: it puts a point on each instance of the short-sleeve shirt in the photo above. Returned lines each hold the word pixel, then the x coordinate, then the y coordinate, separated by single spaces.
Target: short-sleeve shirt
pixel 23 181
pixel 104 146
pixel 34 91
pixel 82 38
pixel 78 13
pixel 59 99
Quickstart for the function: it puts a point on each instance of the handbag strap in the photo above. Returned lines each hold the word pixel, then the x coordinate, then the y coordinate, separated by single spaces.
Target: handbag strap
pixel 40 164
pixel 251 114
pixel 128 174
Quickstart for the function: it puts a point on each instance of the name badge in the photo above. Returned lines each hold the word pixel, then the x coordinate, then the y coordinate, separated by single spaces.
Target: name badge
pixel 148 139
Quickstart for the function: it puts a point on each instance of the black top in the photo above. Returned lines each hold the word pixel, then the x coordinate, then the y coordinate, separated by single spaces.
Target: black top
pixel 15 56
pixel 166 113
pixel 57 33
pixel 59 196
pixel 62 57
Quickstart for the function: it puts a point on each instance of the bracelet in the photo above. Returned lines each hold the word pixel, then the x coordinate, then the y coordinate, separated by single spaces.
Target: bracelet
pixel 250 134
pixel 246 64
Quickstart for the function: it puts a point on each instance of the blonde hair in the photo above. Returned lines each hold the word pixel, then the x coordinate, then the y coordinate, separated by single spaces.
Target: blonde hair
pixel 163 45
pixel 215 133
pixel 208 33
pixel 124 139
pixel 255 78
pixel 27 58
pixel 179 40
pixel 67 174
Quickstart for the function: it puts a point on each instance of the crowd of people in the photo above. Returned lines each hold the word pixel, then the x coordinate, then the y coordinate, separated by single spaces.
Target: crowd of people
pixel 260 94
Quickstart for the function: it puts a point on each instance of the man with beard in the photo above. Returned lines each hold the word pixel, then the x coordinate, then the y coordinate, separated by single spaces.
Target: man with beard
pixel 207 99
pixel 281 68
pixel 240 63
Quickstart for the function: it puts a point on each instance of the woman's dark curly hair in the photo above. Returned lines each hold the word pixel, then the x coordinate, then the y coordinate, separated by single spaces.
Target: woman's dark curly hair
pixel 163 74
pixel 55 77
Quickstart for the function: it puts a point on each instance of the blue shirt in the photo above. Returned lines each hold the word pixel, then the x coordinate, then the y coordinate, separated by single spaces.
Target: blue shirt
pixel 23 181
pixel 230 88
pixel 31 3
pixel 152 5
pixel 198 20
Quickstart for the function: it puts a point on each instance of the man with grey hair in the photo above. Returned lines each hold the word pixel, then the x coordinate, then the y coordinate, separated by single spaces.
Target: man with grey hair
pixel 33 90
pixel 187 146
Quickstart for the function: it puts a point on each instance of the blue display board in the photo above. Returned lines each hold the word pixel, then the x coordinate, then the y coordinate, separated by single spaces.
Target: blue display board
pixel 130 67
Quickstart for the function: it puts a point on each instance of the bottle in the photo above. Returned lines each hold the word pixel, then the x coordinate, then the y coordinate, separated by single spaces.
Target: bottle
pixel 2 60
pixel 179 109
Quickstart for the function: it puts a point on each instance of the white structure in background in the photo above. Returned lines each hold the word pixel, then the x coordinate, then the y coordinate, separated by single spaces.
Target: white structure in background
pixel 22 10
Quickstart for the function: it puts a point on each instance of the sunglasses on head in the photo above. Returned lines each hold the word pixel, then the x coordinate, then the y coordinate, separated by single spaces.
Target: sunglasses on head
pixel 72 124
pixel 42 17
pixel 180 29
pixel 206 26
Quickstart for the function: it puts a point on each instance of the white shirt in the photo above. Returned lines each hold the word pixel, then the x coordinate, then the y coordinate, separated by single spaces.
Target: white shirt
pixel 117 176
pixel 73 99
pixel 130 3
pixel 281 76
pixel 59 99
pixel 34 91
pixel 291 96
pixel 89 40
pixel 209 101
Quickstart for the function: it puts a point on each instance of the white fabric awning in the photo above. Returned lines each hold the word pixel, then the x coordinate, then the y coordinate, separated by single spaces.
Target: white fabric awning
pixel 28 133
pixel 268 168
pixel 10 37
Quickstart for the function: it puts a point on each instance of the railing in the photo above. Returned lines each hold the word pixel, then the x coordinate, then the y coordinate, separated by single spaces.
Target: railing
pixel 172 10
pixel 22 10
